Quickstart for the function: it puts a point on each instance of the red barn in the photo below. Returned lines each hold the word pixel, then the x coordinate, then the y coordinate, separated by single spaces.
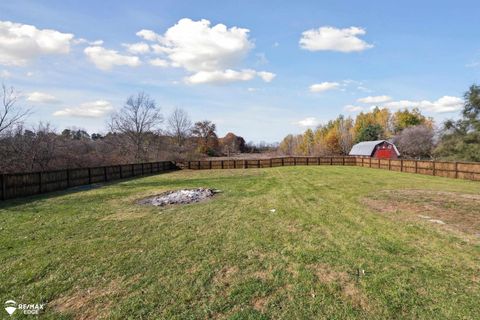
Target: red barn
pixel 380 149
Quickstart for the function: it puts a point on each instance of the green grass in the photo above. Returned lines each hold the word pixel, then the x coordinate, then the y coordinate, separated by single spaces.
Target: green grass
pixel 96 254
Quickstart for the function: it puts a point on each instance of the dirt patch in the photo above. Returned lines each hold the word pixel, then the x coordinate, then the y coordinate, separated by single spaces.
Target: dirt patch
pixel 183 196
pixel 335 280
pixel 457 211
pixel 225 275
pixel 260 303
pixel 84 304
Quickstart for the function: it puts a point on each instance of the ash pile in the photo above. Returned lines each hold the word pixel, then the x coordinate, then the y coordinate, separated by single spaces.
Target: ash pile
pixel 183 196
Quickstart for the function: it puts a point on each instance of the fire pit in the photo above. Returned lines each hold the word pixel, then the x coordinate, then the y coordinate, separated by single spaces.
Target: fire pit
pixel 183 196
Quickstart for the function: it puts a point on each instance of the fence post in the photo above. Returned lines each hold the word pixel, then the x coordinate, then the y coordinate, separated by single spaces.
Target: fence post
pixel 121 171
pixel 2 185
pixel 245 164
pixel 68 178
pixel 258 163
pixel 294 161
pixel 389 164
pixel 282 162
pixel 401 165
pixel 331 161
pixel 210 164
pixel 456 170
pixel 105 174
pixel 271 165
pixel 234 164
pixel 416 166
pixel 222 164
pixel 343 161
pixel 40 182
pixel 434 171
pixel 143 169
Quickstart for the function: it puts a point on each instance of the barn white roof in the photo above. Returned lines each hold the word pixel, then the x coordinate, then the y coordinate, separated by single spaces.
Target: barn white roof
pixel 366 148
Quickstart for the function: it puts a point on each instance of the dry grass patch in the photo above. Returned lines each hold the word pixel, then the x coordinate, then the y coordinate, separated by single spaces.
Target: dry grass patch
pixel 86 304
pixel 225 275
pixel 349 290
pixel 260 303
pixel 458 211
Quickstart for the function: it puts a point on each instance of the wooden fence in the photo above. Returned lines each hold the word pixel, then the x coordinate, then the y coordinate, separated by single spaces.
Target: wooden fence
pixel 266 163
pixel 461 170
pixel 24 184
pixel 458 170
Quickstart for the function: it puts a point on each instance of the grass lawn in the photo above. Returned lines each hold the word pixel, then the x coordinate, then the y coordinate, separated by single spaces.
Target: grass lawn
pixel 97 254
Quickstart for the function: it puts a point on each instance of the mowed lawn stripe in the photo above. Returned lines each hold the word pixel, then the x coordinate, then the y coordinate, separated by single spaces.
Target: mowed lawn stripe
pixel 98 254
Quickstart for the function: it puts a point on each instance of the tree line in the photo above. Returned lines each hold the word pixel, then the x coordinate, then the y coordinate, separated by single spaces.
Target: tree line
pixel 136 133
pixel 414 134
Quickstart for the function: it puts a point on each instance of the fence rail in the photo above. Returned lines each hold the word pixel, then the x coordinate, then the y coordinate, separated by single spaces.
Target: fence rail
pixel 15 185
pixel 24 184
pixel 266 163
pixel 459 170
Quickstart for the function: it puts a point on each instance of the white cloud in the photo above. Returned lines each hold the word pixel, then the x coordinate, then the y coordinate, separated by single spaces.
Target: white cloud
pixel 210 53
pixel 473 64
pixel 94 109
pixel 442 105
pixel 5 74
pixel 364 89
pixel 266 76
pixel 85 41
pixel 196 46
pixel 21 43
pixel 308 122
pixel 29 74
pixel 333 39
pixel 148 35
pixel 352 108
pixel 229 75
pixel 105 59
pixel 261 58
pixel 41 97
pixel 157 62
pixel 137 48
pixel 374 99
pixel 252 89
pixel 324 86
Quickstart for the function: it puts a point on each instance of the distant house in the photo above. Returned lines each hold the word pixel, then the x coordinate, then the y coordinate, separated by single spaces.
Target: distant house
pixel 380 149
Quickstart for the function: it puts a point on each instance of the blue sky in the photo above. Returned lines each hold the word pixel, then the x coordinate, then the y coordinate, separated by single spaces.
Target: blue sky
pixel 262 83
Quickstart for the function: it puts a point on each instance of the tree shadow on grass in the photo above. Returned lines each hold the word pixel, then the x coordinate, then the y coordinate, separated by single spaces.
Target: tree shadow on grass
pixel 127 183
pixel 12 203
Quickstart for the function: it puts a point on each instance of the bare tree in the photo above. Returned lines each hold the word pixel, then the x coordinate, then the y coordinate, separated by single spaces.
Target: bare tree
pixel 345 136
pixel 415 142
pixel 137 120
pixel 179 126
pixel 10 114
